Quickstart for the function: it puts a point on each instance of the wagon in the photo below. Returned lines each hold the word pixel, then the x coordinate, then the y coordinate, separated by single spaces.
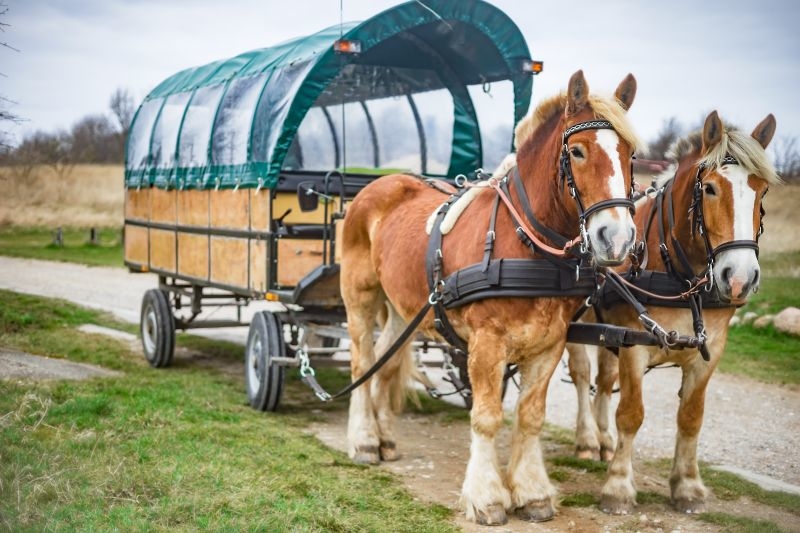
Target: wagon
pixel 238 173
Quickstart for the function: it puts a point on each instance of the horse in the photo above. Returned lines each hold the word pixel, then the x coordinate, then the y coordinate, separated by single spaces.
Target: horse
pixel 383 273
pixel 720 177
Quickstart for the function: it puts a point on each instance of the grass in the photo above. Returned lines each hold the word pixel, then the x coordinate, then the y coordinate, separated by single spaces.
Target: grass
pixel 739 524
pixel 766 354
pixel 728 486
pixel 166 450
pixel 37 243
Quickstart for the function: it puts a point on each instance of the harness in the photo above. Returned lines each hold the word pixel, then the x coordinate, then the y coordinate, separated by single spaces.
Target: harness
pixel 679 286
pixel 561 272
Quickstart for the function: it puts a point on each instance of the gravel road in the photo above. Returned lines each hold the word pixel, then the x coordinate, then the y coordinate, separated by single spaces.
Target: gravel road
pixel 749 426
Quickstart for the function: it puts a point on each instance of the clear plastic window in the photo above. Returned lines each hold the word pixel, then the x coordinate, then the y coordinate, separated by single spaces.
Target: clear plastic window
pixel 234 120
pixel 196 131
pixel 141 131
pixel 313 146
pixel 165 133
pixel 495 110
pixel 273 108
pixel 398 139
pixel 436 112
pixel 355 137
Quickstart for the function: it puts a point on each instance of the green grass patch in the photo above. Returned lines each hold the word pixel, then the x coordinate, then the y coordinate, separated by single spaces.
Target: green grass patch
pixel 739 524
pixel 728 486
pixel 765 354
pixel 774 295
pixel 585 465
pixel 648 497
pixel 579 499
pixel 559 475
pixel 174 449
pixel 37 243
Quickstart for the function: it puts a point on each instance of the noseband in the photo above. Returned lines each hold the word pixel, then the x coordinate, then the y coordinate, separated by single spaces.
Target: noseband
pixel 565 176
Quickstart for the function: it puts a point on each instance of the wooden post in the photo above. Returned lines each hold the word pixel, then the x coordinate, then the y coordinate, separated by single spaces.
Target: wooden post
pixel 58 237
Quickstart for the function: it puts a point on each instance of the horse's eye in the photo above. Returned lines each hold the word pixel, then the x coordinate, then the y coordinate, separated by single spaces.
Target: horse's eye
pixel 709 189
pixel 576 152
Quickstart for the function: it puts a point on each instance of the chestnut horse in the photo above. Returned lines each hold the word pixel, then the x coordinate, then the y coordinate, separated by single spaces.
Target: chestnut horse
pixel 728 172
pixel 383 273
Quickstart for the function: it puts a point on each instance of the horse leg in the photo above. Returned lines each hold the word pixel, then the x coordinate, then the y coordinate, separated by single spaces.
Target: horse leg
pixel 687 489
pixel 607 373
pixel 619 492
pixel 363 307
pixel 483 494
pixel 389 383
pixel 531 491
pixel 586 443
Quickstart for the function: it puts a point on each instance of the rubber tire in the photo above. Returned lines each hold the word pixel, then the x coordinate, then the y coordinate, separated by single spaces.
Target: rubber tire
pixel 263 380
pixel 157 328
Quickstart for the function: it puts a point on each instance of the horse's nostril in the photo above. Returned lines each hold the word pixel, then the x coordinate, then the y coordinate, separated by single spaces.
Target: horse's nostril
pixel 601 234
pixel 726 274
pixel 755 277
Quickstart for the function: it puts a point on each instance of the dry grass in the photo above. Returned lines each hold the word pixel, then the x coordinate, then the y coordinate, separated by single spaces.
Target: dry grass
pixel 84 195
pixel 93 195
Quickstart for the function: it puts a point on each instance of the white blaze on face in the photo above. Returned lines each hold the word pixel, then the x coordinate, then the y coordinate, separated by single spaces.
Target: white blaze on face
pixel 616 221
pixel 738 266
pixel 744 201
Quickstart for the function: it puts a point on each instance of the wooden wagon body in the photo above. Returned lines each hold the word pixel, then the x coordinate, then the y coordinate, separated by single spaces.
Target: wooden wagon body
pixel 220 157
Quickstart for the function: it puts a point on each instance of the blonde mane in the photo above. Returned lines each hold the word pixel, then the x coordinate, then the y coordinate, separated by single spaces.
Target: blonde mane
pixel 747 151
pixel 606 108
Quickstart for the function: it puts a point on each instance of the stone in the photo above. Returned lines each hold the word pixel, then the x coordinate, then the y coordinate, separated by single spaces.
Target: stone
pixel 788 321
pixel 749 317
pixel 735 321
pixel 763 321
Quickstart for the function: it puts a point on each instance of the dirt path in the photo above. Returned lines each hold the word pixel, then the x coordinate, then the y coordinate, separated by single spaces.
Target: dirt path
pixel 749 425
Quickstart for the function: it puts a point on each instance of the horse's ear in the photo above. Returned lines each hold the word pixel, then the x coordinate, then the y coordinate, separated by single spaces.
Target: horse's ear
pixel 765 130
pixel 626 91
pixel 577 93
pixel 712 131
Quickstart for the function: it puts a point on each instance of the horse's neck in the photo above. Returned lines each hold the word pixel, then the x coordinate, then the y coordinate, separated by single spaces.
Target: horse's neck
pixel 692 245
pixel 538 168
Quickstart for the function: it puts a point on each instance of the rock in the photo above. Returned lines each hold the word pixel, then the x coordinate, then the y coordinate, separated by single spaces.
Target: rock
pixel 749 317
pixel 735 321
pixel 763 321
pixel 788 321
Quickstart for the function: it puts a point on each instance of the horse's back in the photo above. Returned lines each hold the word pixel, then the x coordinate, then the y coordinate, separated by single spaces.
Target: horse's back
pixel 384 239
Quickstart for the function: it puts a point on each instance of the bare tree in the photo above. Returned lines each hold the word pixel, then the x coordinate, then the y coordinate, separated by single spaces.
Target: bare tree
pixel 7 116
pixel 787 158
pixel 670 131
pixel 123 108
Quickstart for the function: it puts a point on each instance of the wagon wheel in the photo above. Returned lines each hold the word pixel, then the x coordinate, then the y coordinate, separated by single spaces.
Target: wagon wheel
pixel 157 326
pixel 263 378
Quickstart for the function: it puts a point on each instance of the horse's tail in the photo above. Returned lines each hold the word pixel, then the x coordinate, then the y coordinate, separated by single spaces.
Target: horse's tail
pixel 400 371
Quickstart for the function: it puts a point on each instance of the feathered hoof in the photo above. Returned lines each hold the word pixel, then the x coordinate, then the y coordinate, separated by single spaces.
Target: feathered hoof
pixel 494 515
pixel 388 451
pixel 537 511
pixel 689 506
pixel 587 453
pixel 616 506
pixel 366 455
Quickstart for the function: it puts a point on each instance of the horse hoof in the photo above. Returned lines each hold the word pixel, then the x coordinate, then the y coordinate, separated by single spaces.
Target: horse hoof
pixel 366 455
pixel 606 454
pixel 494 515
pixel 616 506
pixel 388 451
pixel 592 454
pixel 537 511
pixel 685 505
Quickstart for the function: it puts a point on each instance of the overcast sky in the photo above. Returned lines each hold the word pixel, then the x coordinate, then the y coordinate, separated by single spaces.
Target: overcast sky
pixel 689 56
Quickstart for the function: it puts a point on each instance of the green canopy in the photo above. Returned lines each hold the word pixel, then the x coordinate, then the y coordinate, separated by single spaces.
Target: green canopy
pixel 234 122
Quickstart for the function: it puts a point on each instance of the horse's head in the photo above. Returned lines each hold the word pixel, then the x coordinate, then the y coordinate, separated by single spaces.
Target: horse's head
pixel 597 147
pixel 732 177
